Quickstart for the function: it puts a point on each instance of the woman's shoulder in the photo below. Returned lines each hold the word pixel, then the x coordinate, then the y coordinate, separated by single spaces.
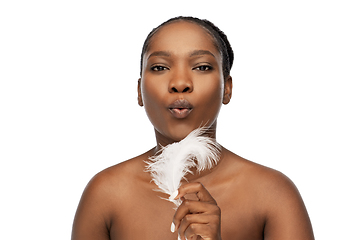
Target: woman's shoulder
pixel 260 178
pixel 119 179
pixel 106 193
pixel 273 196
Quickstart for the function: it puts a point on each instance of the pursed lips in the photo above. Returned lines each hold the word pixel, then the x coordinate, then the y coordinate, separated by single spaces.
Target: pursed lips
pixel 180 108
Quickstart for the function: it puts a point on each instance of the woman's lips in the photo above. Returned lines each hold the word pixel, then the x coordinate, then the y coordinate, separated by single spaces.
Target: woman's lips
pixel 181 108
pixel 180 112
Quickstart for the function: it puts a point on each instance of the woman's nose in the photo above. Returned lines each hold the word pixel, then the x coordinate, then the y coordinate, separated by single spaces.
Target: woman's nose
pixel 181 83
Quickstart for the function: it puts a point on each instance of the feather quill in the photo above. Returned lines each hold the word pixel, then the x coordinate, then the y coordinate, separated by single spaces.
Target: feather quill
pixel 172 162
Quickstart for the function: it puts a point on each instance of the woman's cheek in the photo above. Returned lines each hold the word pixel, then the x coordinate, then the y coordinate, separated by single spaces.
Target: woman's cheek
pixel 153 100
pixel 210 102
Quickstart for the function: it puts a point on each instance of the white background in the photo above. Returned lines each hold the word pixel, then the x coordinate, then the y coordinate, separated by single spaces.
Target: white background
pixel 68 107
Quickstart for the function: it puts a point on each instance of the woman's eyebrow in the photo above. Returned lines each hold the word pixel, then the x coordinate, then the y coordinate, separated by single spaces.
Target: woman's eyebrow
pixel 160 53
pixel 201 52
pixel 191 54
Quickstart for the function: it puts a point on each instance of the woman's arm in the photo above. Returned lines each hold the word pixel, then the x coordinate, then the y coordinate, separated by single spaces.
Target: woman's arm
pixel 92 218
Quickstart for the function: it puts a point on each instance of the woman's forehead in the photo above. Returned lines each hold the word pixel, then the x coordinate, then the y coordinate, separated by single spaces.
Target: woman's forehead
pixel 182 37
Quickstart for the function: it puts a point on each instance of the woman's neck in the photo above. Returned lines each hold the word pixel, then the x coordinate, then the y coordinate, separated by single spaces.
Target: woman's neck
pixel 196 176
pixel 162 140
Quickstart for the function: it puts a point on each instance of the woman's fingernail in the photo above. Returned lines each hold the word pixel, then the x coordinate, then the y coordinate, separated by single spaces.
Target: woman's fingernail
pixel 172 229
pixel 173 195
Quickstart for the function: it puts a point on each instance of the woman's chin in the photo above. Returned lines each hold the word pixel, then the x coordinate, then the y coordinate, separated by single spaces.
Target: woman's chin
pixel 174 134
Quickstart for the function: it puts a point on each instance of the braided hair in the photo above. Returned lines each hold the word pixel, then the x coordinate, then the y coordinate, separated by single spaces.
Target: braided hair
pixel 221 41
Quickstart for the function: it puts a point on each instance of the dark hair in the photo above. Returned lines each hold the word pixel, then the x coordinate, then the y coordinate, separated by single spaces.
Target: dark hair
pixel 220 38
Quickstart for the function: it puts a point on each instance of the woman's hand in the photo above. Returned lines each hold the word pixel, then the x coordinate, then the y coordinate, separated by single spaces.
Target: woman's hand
pixel 197 219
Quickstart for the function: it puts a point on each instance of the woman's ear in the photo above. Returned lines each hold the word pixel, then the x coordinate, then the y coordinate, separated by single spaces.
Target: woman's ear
pixel 140 102
pixel 227 90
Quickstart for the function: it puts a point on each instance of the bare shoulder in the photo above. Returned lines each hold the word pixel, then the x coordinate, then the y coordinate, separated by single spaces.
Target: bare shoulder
pixel 116 181
pixel 276 197
pixel 265 179
pixel 105 192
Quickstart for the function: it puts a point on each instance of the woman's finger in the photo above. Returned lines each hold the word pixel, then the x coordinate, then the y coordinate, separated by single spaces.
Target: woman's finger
pixel 190 207
pixel 196 188
pixel 201 230
pixel 199 225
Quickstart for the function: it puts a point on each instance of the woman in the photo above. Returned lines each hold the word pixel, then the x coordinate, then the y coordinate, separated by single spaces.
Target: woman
pixel 185 78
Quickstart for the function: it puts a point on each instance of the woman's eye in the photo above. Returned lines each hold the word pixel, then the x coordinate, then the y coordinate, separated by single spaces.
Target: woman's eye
pixel 204 68
pixel 158 68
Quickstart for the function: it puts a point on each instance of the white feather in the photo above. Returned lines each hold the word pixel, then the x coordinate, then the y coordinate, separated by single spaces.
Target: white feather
pixel 170 165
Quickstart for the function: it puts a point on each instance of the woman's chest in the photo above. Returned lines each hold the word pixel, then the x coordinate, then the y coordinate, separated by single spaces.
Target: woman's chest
pixel 150 217
pixel 146 218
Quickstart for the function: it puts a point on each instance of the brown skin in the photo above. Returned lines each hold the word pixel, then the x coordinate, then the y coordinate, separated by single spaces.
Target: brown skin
pixel 237 199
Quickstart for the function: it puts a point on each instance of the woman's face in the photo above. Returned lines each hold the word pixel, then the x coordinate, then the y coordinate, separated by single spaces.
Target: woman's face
pixel 182 84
